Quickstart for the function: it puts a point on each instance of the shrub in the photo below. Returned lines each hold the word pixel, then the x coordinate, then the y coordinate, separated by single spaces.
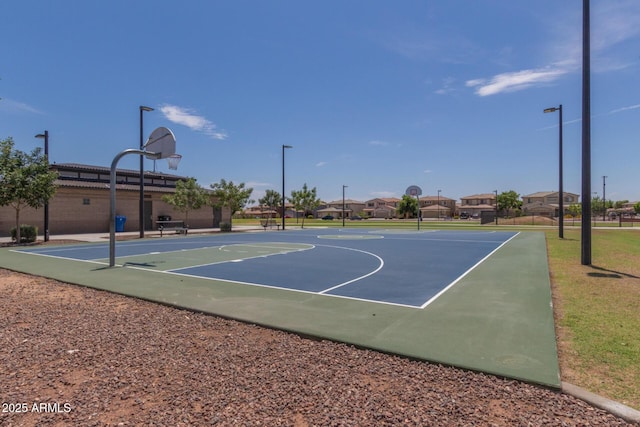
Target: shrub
pixel 28 233
pixel 225 226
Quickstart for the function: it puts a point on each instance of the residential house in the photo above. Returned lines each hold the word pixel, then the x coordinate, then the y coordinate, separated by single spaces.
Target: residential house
pixel 437 207
pixel 381 207
pixel 547 203
pixel 626 210
pixel 351 208
pixel 477 203
pixel 260 211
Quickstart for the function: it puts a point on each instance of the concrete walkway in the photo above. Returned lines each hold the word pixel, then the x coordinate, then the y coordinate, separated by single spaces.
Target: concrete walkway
pixel 102 237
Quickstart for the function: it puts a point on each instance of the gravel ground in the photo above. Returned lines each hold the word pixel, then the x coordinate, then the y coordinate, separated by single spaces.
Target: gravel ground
pixel 76 356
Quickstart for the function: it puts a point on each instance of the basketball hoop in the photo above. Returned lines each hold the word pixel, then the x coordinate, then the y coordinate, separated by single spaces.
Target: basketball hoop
pixel 173 161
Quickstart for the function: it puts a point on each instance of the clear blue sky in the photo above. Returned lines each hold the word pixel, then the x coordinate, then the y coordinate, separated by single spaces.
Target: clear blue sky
pixel 376 95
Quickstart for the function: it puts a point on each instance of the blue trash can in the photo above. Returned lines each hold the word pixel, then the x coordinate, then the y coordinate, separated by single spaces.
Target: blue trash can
pixel 120 220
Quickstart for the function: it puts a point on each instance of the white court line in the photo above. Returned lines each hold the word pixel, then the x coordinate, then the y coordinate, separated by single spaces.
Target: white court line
pixel 269 247
pixel 436 296
pixel 443 240
pixel 235 260
pixel 357 278
pixel 59 257
pixel 262 285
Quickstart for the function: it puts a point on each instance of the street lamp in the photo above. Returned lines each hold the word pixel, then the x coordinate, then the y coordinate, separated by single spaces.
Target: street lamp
pixel 439 204
pixel 604 197
pixel 561 194
pixel 496 191
pixel 283 197
pixel 343 187
pixel 45 135
pixel 141 206
pixel 585 257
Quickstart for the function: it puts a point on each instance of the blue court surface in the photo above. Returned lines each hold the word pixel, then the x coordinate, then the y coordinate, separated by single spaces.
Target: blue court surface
pixel 403 267
pixel 475 299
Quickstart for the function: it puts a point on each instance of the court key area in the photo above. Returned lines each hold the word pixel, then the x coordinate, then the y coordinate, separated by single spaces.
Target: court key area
pixel 475 299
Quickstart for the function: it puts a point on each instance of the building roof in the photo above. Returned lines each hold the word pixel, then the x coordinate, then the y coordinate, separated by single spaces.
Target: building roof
pixel 67 183
pixel 435 208
pixel 104 169
pixel 435 198
pixel 480 196
pixel 75 175
pixel 339 202
pixel 476 207
pixel 547 193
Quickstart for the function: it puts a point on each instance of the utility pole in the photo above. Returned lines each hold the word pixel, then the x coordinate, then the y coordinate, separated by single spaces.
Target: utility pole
pixel 604 198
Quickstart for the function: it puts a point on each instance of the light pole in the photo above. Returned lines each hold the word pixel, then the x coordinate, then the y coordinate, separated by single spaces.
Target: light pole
pixel 343 187
pixel 496 191
pixel 141 206
pixel 561 194
pixel 45 136
pixel 439 204
pixel 604 198
pixel 283 197
pixel 586 136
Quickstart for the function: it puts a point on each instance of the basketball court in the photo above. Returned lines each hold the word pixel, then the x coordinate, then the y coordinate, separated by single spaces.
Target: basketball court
pixel 475 299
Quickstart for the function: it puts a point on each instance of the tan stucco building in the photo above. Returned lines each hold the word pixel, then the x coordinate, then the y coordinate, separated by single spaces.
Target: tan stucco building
pixel 547 203
pixel 82 202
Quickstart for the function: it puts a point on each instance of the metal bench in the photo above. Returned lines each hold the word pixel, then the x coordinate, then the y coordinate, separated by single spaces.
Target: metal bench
pixel 178 226
pixel 270 222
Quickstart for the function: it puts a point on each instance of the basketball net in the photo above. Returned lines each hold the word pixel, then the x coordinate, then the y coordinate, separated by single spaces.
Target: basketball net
pixel 173 161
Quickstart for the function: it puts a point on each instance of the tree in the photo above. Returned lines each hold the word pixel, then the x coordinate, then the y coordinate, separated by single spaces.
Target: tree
pixel 272 199
pixel 305 200
pixel 598 206
pixel 636 208
pixel 407 206
pixel 234 197
pixel 508 200
pixel 575 210
pixel 189 195
pixel 25 179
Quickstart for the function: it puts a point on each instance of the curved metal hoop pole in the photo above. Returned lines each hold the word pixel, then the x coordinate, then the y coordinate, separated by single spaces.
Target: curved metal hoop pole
pixel 112 189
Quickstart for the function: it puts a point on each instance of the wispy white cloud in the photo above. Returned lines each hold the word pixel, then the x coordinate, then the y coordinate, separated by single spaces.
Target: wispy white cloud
pixel 613 24
pixel 378 143
pixel 10 105
pixel 614 111
pixel 428 171
pixel 187 117
pixel 320 164
pixel 514 81
pixel 620 110
pixel 447 86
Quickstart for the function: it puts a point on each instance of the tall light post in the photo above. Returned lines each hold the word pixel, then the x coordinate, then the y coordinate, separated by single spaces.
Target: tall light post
pixel 439 204
pixel 141 206
pixel 496 191
pixel 45 136
pixel 586 136
pixel 343 187
pixel 604 197
pixel 283 196
pixel 561 194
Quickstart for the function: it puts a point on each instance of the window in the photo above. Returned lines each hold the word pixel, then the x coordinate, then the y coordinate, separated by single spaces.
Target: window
pixel 86 201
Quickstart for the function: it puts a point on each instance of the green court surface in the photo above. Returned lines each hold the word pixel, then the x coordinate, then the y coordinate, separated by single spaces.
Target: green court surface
pixel 497 319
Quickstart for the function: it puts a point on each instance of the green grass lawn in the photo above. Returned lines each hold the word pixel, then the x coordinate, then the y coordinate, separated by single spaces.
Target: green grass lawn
pixel 597 307
pixel 598 312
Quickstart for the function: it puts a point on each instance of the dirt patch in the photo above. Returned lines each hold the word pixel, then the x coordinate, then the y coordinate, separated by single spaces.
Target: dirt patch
pixel 95 358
